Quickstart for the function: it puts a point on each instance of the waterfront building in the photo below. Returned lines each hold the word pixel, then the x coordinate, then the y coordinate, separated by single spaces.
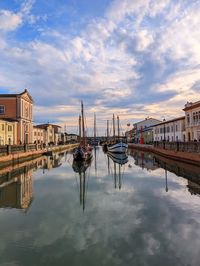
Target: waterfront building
pixel 18 107
pixel 51 134
pixel 39 135
pixel 8 132
pixel 68 138
pixel 145 127
pixel 192 115
pixel 171 130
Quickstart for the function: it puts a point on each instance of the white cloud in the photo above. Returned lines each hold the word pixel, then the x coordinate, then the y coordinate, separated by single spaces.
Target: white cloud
pixel 9 21
pixel 143 40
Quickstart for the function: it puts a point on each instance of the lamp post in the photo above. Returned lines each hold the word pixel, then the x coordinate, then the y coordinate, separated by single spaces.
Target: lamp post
pixel 164 133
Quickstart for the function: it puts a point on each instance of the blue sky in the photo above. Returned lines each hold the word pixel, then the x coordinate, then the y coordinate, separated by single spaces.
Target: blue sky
pixel 132 58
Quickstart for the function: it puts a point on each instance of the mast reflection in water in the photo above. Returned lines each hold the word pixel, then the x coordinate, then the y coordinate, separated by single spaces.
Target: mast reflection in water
pixel 81 167
pixel 118 159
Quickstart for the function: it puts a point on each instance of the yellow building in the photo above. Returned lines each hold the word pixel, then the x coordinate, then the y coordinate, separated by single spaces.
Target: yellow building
pixel 192 115
pixel 8 132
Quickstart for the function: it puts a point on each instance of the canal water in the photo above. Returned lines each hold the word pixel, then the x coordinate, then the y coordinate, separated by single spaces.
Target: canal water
pixel 139 210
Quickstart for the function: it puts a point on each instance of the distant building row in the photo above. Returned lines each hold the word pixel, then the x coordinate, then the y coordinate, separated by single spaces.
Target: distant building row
pixel 16 123
pixel 185 128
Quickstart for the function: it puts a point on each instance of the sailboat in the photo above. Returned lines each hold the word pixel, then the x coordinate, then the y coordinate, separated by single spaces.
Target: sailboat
pixel 117 146
pixel 84 150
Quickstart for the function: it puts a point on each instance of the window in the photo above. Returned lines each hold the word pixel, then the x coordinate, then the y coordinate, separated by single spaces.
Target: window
pixel 34 133
pixel 188 119
pixel 194 117
pixel 172 128
pixel 2 127
pixel 9 128
pixel 176 128
pixel 2 109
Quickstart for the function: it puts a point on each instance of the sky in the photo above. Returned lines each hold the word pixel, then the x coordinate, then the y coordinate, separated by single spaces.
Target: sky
pixel 133 58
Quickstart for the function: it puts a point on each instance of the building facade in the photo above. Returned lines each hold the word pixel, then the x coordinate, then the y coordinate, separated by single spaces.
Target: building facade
pixel 145 127
pixel 51 133
pixel 8 132
pixel 172 130
pixel 39 135
pixel 18 107
pixel 192 115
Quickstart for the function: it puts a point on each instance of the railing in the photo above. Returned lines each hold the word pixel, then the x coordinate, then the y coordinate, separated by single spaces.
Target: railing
pixel 13 149
pixel 191 146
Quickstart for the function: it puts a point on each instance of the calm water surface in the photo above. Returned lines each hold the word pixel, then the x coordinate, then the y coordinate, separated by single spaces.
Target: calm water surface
pixel 143 212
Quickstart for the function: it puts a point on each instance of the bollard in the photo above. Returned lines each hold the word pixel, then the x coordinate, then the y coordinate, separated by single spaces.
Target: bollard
pixel 177 146
pixel 25 147
pixel 8 149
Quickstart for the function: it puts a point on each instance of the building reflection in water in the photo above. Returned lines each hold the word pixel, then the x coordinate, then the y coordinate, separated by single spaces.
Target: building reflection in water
pixel 152 162
pixel 16 184
pixel 16 188
pixel 118 161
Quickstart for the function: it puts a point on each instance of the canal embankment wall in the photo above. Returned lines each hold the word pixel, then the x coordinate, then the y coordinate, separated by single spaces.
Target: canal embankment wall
pixel 28 153
pixel 182 156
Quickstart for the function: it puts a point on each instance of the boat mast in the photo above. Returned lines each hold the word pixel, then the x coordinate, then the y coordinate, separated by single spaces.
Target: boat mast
pixel 83 124
pixel 107 130
pixel 114 127
pixel 79 128
pixel 118 126
pixel 94 128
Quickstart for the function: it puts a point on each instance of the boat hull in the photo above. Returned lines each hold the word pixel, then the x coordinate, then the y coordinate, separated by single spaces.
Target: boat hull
pixel 119 147
pixel 81 154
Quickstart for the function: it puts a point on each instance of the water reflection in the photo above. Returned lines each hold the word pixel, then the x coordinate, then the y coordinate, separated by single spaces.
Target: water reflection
pixel 16 188
pixel 152 162
pixel 16 182
pixel 118 160
pixel 140 224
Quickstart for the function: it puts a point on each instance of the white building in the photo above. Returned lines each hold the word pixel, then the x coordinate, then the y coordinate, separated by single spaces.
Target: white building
pixel 50 133
pixel 144 125
pixel 172 130
pixel 39 135
pixel 192 114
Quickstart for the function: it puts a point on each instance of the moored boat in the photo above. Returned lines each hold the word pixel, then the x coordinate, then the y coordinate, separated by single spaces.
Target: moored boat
pixel 84 150
pixel 119 147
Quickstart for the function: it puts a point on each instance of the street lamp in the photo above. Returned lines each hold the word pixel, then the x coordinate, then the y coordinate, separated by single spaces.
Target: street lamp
pixel 164 133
